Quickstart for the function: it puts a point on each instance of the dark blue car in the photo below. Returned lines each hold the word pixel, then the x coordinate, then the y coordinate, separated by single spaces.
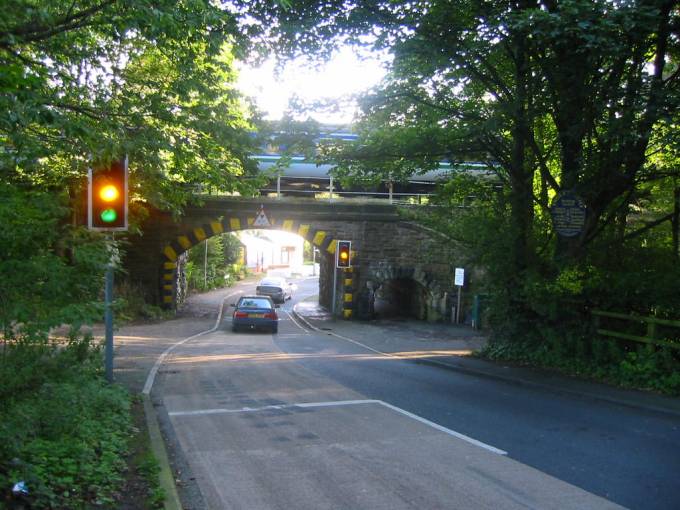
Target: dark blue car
pixel 253 312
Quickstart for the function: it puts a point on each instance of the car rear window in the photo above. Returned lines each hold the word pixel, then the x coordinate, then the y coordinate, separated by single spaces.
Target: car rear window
pixel 254 303
pixel 268 288
pixel 272 281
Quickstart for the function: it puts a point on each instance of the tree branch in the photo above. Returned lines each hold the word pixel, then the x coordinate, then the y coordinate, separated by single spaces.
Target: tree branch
pixel 39 32
pixel 648 226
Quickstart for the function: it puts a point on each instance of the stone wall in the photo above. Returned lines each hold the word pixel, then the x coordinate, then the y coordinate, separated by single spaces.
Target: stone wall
pixel 384 248
pixel 403 250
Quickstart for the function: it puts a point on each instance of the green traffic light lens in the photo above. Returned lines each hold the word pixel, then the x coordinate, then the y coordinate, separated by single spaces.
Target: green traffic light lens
pixel 108 215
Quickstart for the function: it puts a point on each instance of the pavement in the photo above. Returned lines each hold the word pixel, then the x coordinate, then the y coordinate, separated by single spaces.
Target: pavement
pixel 452 346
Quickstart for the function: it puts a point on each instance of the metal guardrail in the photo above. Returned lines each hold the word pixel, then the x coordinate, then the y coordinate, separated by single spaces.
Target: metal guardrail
pixel 393 197
pixel 651 333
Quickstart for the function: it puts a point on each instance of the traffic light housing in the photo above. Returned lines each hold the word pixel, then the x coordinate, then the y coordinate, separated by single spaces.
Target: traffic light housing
pixel 344 254
pixel 107 197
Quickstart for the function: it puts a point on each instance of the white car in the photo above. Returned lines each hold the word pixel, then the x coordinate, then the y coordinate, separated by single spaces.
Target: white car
pixel 276 288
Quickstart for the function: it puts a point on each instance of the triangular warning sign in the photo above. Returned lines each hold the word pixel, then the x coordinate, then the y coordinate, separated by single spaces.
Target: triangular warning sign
pixel 261 220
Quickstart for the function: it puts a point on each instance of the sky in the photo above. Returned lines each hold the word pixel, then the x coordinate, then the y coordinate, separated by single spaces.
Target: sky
pixel 344 75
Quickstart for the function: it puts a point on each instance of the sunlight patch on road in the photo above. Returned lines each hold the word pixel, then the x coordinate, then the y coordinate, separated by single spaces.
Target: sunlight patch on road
pixel 280 356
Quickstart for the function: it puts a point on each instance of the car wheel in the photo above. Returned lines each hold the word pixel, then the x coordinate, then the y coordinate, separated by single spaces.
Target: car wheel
pixel 234 329
pixel 275 329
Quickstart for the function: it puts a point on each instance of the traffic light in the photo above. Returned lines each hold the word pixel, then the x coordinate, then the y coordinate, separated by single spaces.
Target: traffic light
pixel 344 255
pixel 107 197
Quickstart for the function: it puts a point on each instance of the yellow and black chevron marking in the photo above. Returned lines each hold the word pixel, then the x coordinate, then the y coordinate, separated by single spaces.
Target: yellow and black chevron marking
pixel 348 292
pixel 319 238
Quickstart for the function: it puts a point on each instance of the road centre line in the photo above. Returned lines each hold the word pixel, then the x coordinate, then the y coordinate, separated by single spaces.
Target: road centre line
pixel 339 403
pixel 157 365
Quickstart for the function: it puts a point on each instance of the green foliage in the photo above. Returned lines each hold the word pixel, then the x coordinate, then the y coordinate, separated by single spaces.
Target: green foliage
pixel 149 468
pixel 222 266
pixel 63 430
pixel 132 303
pixel 95 80
pixel 600 359
pixel 51 273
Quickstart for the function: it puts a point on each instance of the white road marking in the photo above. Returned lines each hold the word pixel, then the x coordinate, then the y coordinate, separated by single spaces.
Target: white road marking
pixel 296 322
pixel 154 370
pixel 310 325
pixel 267 408
pixel 445 430
pixel 338 403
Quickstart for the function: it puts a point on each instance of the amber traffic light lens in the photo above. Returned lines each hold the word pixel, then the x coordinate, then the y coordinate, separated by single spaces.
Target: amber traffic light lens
pixel 109 193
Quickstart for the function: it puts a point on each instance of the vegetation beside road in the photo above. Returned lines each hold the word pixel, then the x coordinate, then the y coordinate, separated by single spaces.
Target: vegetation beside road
pixel 215 263
pixel 600 360
pixel 66 434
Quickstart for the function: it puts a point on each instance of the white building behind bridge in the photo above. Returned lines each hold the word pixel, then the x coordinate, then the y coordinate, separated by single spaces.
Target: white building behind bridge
pixel 273 251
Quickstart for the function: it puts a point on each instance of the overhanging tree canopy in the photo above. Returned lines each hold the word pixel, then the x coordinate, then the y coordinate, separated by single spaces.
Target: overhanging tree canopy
pixel 90 80
pixel 560 95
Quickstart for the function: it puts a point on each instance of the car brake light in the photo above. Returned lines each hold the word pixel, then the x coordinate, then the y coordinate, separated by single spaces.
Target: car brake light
pixel 240 315
pixel 271 315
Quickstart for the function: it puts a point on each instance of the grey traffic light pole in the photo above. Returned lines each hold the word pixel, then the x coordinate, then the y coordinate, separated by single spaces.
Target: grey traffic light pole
pixel 108 311
pixel 108 323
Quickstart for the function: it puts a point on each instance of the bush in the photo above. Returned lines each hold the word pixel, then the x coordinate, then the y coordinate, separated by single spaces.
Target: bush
pixel 132 304
pixel 63 430
pixel 605 360
pixel 219 268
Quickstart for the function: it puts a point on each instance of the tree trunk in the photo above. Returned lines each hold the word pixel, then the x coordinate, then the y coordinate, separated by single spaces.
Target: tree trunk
pixel 675 222
pixel 521 178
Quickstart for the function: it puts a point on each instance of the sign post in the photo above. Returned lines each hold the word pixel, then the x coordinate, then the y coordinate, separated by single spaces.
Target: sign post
pixel 108 308
pixel 108 323
pixel 459 280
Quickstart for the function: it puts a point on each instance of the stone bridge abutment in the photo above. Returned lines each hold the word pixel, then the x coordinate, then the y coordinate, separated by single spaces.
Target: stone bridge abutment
pixel 392 259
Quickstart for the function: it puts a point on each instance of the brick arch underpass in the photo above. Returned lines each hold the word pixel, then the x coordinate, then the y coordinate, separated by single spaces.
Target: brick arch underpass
pixel 385 247
pixel 324 240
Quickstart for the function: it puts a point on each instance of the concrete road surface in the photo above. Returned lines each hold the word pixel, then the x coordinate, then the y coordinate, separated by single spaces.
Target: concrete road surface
pixel 260 430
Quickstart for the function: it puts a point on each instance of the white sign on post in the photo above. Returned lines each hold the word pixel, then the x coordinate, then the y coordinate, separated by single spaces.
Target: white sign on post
pixel 460 277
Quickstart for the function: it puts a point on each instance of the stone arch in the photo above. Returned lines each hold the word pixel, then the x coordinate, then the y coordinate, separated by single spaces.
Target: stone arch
pixel 436 296
pixel 172 251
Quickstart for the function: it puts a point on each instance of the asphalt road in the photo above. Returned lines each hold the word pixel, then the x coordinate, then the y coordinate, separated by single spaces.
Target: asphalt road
pixel 304 419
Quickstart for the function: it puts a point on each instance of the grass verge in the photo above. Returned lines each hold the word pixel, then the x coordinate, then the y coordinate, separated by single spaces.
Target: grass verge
pixel 71 439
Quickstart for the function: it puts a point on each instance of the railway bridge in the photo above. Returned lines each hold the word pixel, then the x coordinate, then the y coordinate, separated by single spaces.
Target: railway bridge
pixel 408 263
